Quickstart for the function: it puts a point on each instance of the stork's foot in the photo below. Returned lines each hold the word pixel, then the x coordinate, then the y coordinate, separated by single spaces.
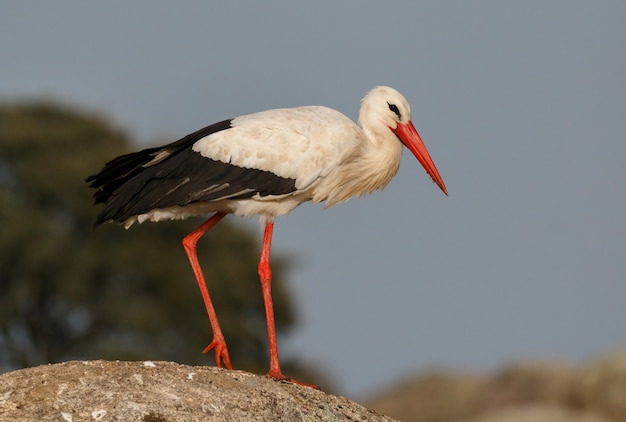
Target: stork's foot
pixel 280 377
pixel 221 352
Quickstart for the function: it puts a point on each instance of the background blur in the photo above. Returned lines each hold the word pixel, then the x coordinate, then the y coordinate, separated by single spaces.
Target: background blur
pixel 522 106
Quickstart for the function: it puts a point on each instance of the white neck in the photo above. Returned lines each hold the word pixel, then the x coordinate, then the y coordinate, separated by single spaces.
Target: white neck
pixel 372 166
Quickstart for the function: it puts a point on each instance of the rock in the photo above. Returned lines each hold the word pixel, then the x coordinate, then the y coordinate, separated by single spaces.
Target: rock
pixel 531 382
pixel 531 391
pixel 163 391
pixel 437 396
pixel 538 413
pixel 604 386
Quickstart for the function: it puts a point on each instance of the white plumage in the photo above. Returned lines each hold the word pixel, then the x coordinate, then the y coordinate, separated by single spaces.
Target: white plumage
pixel 301 143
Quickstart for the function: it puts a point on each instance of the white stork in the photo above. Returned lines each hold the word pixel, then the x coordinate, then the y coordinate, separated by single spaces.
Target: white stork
pixel 263 164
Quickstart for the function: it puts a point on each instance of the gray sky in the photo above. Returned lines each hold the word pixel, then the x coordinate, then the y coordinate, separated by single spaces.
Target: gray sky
pixel 521 104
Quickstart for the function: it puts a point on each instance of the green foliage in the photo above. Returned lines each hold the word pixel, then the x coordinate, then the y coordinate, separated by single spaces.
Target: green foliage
pixel 69 292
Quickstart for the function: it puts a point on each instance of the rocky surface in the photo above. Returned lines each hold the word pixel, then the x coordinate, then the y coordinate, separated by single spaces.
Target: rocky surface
pixel 163 391
pixel 522 392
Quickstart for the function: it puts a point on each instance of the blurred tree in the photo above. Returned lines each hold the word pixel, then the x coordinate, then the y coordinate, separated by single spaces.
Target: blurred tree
pixel 67 292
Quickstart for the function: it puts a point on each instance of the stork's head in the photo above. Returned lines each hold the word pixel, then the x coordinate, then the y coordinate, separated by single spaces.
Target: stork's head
pixel 384 110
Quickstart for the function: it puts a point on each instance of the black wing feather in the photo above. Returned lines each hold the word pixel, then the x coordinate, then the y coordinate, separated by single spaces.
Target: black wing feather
pixel 174 174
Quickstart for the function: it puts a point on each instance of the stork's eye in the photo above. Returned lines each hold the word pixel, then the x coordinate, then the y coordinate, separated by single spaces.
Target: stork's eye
pixel 394 108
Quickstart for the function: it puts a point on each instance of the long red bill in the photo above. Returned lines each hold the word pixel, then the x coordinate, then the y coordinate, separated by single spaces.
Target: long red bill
pixel 411 139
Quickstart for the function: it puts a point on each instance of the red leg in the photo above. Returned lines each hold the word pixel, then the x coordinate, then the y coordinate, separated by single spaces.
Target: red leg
pixel 189 243
pixel 265 274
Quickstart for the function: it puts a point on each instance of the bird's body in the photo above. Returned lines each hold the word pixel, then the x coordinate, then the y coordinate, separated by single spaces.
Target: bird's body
pixel 263 164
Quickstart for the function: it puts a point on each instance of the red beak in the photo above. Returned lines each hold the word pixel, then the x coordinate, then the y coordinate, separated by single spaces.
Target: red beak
pixel 411 139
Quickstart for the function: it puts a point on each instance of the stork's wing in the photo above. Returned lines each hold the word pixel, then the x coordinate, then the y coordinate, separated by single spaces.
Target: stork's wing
pixel 275 152
pixel 175 174
pixel 300 143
